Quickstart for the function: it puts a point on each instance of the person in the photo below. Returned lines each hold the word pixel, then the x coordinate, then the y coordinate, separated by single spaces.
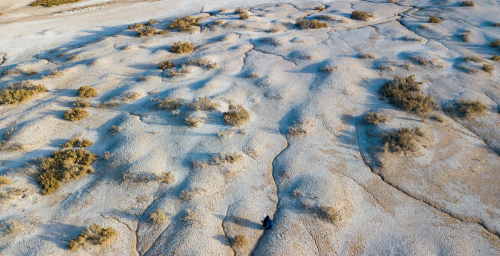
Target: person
pixel 267 223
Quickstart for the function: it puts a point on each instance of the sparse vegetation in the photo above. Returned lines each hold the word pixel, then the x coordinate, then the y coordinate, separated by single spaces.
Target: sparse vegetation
pixel 76 114
pixel 308 24
pixel 495 43
pixel 474 59
pixel 488 68
pixel 180 47
pixel 434 19
pixel 236 115
pixel 466 37
pixel 470 109
pixel 183 71
pixel 240 241
pixel 468 4
pixel 224 159
pixel 190 194
pixel 54 74
pixel 4 180
pixel 405 93
pixel 404 140
pixel 95 235
pixel 64 165
pixel 375 118
pixel 495 58
pixel 360 15
pixel 166 177
pixel 170 103
pixel 158 217
pixel 21 92
pixel 244 15
pixel 185 23
pixel 204 104
pixel 50 3
pixel 87 92
pixel 166 65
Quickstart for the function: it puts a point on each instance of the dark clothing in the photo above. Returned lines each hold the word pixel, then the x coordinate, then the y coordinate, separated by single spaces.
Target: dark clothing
pixel 268 223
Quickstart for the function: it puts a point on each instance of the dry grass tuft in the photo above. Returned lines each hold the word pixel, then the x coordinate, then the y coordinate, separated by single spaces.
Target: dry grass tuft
pixel 4 180
pixel 360 15
pixel 95 235
pixel 495 58
pixel 50 3
pixel 180 47
pixel 185 23
pixel 54 74
pixel 87 92
pixel 158 217
pixel 64 165
pixel 468 4
pixel 375 118
pixel 236 115
pixel 203 62
pixel 166 65
pixel 166 177
pixel 308 24
pixel 190 194
pixel 112 103
pixel 474 59
pixel 488 68
pixel 183 71
pixel 194 121
pixel 404 140
pixel 76 114
pixel 405 93
pixel 240 241
pixel 240 10
pixel 470 109
pixel 434 19
pixel 300 128
pixel 466 37
pixel 204 104
pixel 21 92
pixel 225 159
pixel 190 216
pixel 170 103
pixel 218 22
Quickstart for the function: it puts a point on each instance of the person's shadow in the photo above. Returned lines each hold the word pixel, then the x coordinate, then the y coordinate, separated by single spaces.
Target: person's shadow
pixel 240 221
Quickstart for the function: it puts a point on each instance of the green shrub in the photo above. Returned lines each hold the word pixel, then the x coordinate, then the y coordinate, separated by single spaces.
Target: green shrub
pixel 180 47
pixel 21 92
pixel 87 92
pixel 236 115
pixel 50 3
pixel 185 23
pixel 307 24
pixel 434 20
pixel 95 235
pixel 76 114
pixel 405 93
pixel 404 140
pixel 360 15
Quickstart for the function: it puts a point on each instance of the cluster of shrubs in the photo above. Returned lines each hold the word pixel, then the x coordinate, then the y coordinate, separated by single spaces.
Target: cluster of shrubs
pixel 186 23
pixel 95 235
pixel 144 30
pixel 21 92
pixel 404 140
pixel 65 165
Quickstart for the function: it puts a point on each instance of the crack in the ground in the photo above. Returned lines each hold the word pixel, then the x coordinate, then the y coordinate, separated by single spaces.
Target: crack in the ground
pixel 423 199
pixel 313 239
pixel 224 229
pixel 2 59
pixel 277 55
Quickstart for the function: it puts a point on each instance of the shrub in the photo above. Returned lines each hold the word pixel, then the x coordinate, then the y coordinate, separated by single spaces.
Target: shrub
pixel 203 62
pixel 468 4
pixel 495 43
pixel 375 118
pixel 405 93
pixel 158 217
pixel 236 115
pixel 404 140
pixel 64 165
pixel 73 142
pixel 131 96
pixel 367 56
pixel 497 24
pixel 218 22
pixel 194 121
pixel 170 103
pixel 76 114
pixel 85 143
pixel 495 58
pixel 466 37
pixel 183 71
pixel 82 103
pixel 240 10
pixel 307 24
pixel 166 177
pixel 87 92
pixel 184 24
pixel 469 109
pixel 166 65
pixel 328 69
pixel 360 15
pixel 488 68
pixel 203 104
pixel 240 241
pixel 224 159
pixel 434 20
pixel 190 194
pixel 181 47
pixel 50 3
pixel 244 15
pixel 299 128
pixel 146 31
pixel 151 22
pixel 474 59
pixel 4 180
pixel 21 92
pixel 95 235
pixel 319 8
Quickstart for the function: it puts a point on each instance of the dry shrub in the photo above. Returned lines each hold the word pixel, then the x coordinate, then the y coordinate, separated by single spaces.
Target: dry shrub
pixel 166 177
pixel 21 92
pixel 240 10
pixel 170 103
pixel 244 15
pixel 375 118
pixel 474 59
pixel 240 241
pixel 434 19
pixel 404 140
pixel 85 143
pixel 440 118
pixel 218 22
pixel 307 24
pixel 190 194
pixel 4 180
pixel 95 235
pixel 319 8
pixel 112 103
pixel 87 92
pixel 254 75
pixel 488 68
pixel 468 4
pixel 12 72
pixel 158 217
pixel 418 39
pixel 183 71
pixel 76 114
pixel 151 22
pixel 131 96
pixel 73 57
pixel 328 69
pixel 203 104
pixel 300 128
pixel 73 142
pixel 367 56
pixel 50 3
pixel 470 109
pixel 166 65
pixel 405 93
pixel 190 216
pixel 82 103
pixel 146 31
pixel 185 23
pixel 466 37
pixel 14 228
pixel 194 121
pixel 203 62
pixel 495 58
pixel 180 47
pixel 328 214
pixel 64 165
pixel 8 194
pixel 360 15
pixel 496 24
pixel 236 115
pixel 54 74
pixel 225 159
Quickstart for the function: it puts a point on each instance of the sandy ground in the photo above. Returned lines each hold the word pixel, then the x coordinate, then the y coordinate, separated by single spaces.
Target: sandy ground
pixel 440 200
